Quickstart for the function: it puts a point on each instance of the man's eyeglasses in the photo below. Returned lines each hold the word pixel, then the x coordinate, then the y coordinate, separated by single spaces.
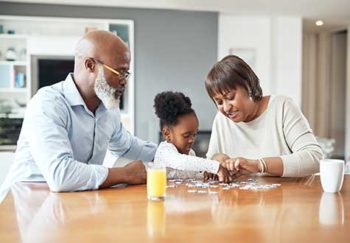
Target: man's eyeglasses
pixel 123 75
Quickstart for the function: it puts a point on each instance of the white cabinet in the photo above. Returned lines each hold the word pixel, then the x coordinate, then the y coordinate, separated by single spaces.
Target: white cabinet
pixel 13 74
pixel 34 39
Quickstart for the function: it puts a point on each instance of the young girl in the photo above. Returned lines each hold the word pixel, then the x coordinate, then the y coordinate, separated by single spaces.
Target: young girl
pixel 179 126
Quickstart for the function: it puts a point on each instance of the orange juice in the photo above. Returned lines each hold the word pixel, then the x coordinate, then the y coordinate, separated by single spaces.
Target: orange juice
pixel 156 183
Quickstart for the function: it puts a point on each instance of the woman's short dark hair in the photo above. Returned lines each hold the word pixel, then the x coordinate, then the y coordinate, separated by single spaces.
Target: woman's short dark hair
pixel 169 106
pixel 231 72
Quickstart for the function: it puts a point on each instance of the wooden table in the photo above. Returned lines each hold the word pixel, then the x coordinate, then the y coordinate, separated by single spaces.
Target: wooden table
pixel 297 211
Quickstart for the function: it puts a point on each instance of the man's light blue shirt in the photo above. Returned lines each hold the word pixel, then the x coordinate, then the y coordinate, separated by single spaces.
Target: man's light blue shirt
pixel 63 143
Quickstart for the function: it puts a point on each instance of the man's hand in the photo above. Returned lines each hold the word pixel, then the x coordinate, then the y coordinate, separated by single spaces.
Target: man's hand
pixel 135 172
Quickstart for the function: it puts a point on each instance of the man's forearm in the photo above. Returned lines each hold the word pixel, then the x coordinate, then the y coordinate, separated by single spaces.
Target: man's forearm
pixel 133 173
pixel 115 176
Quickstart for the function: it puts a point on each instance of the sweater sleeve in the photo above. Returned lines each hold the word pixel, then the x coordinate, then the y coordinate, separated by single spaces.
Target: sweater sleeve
pixel 168 154
pixel 306 152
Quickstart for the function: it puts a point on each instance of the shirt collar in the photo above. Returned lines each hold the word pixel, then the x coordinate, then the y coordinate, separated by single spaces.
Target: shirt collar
pixel 73 96
pixel 71 91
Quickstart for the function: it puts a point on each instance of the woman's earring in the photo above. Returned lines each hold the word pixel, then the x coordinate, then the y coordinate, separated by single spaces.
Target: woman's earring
pixel 250 95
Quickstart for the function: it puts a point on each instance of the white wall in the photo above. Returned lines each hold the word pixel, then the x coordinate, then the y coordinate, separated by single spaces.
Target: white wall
pixel 287 57
pixel 277 42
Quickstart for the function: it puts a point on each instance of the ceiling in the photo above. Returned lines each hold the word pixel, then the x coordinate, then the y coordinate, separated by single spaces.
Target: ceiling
pixel 334 12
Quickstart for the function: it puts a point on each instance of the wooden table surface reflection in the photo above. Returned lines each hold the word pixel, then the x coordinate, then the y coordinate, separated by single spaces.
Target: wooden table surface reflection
pixel 297 211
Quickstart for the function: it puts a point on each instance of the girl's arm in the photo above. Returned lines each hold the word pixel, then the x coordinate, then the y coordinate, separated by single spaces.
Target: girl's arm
pixel 168 154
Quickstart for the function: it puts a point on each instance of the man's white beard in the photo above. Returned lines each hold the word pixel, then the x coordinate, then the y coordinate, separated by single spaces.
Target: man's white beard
pixel 105 92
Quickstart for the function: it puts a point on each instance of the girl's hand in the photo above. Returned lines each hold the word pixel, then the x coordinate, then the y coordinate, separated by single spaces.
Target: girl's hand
pixel 210 176
pixel 224 175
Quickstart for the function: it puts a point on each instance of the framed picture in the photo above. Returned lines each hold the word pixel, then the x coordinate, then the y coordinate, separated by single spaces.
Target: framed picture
pixel 247 54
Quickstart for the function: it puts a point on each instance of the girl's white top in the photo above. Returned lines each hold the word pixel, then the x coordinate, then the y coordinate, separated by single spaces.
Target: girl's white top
pixel 183 165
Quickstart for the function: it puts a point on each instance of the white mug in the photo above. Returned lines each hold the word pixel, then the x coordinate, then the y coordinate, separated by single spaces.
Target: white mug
pixel 332 174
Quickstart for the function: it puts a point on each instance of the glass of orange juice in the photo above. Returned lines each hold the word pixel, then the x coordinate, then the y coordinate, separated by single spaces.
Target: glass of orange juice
pixel 156 181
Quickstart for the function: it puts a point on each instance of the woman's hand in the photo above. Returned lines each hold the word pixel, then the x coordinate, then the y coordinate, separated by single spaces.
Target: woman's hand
pixel 242 165
pixel 220 157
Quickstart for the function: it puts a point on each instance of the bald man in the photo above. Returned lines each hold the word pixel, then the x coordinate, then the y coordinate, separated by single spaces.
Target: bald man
pixel 69 126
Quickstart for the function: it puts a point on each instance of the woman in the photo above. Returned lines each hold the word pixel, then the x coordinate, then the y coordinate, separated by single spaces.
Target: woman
pixel 255 133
